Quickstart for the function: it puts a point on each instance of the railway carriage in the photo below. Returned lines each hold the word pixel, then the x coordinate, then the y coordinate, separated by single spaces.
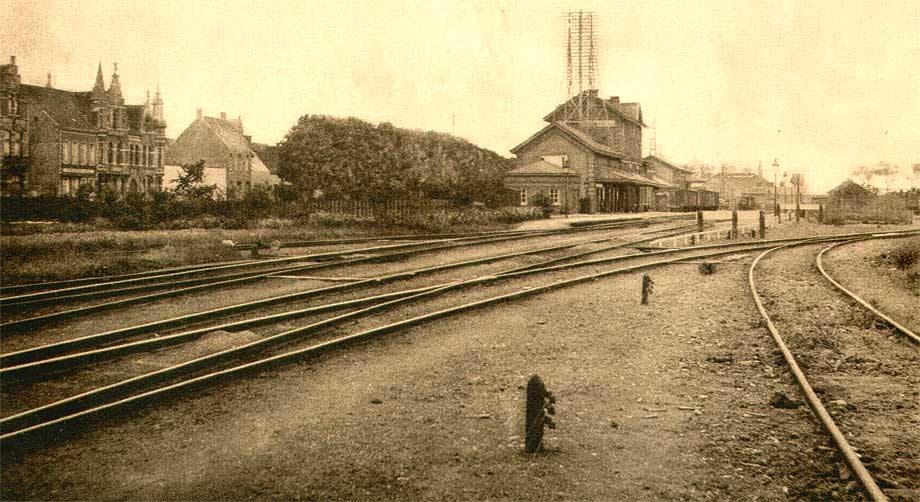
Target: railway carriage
pixel 692 200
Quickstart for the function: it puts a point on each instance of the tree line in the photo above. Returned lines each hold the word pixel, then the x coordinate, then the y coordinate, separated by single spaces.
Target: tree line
pixel 348 158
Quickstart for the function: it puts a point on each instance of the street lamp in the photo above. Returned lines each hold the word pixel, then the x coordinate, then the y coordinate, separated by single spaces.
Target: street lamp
pixel 775 202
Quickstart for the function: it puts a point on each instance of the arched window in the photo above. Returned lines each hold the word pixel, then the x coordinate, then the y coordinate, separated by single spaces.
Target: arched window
pixel 65 153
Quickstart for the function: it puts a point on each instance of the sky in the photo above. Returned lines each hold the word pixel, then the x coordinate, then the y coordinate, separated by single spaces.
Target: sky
pixel 822 86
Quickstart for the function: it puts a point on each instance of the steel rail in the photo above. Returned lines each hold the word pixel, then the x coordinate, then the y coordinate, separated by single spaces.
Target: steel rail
pixel 21 324
pixel 904 330
pixel 29 361
pixel 191 269
pixel 45 351
pixel 814 401
pixel 54 296
pixel 13 425
pixel 34 353
pixel 69 408
pixel 13 300
pixel 66 283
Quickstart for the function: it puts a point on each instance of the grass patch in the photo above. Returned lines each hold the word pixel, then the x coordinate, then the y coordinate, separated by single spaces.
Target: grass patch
pixel 59 251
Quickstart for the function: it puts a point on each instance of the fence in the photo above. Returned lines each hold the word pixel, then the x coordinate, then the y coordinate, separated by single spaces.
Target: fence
pixel 365 209
pixel 890 208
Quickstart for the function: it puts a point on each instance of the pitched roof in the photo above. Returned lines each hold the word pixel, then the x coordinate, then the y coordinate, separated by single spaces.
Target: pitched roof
pixel 616 175
pixel 752 176
pixel 541 167
pixel 229 132
pixel 668 164
pixel 631 112
pixel 575 134
pixel 67 108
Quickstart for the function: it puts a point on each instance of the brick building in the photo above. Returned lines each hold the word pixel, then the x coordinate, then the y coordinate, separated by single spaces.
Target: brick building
pixel 230 161
pixel 741 189
pixel 55 141
pixel 591 146
pixel 671 176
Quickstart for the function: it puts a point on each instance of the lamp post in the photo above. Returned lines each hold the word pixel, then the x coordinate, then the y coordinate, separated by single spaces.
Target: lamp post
pixel 775 202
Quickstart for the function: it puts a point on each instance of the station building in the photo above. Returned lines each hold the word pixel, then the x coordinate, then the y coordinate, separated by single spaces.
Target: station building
pixel 587 159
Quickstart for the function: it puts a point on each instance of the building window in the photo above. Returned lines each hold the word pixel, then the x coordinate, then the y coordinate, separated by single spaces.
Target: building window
pixel 14 144
pixel 4 143
pixel 554 196
pixel 65 153
pixel 523 196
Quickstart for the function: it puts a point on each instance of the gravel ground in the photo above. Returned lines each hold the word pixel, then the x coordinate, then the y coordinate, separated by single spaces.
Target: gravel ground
pixel 859 269
pixel 668 401
pixel 866 375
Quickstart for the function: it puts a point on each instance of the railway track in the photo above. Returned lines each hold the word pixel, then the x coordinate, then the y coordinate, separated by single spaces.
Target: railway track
pixel 176 288
pixel 189 373
pixel 823 331
pixel 15 362
pixel 9 292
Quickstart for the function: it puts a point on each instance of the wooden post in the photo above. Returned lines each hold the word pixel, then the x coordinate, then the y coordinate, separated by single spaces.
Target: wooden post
pixel 763 225
pixel 734 223
pixel 820 213
pixel 540 404
pixel 699 220
pixel 647 286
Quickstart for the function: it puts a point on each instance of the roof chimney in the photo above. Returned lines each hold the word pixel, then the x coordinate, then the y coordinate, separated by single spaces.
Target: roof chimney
pixel 199 113
pixel 13 60
pixel 223 115
pixel 614 99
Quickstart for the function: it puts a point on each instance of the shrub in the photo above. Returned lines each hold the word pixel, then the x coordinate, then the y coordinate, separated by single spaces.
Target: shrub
pixel 326 219
pixel 903 256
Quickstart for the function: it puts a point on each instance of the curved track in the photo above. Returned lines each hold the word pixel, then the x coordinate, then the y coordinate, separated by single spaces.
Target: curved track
pixel 852 458
pixel 881 315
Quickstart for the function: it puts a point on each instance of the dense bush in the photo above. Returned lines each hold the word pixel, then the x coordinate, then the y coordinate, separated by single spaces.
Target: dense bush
pixel 353 159
pixel 904 256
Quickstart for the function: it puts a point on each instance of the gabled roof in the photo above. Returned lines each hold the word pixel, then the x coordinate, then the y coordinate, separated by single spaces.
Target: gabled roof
pixel 668 164
pixel 742 176
pixel 540 167
pixel 229 132
pixel 663 183
pixel 67 108
pixel 574 134
pixel 631 112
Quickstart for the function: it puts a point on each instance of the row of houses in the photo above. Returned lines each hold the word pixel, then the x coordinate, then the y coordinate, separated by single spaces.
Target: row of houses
pixel 59 142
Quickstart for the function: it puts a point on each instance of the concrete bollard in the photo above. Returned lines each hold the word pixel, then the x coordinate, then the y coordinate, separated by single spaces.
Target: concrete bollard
pixel 763 225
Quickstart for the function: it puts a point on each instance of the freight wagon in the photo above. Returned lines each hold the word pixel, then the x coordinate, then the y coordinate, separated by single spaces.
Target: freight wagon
pixel 692 200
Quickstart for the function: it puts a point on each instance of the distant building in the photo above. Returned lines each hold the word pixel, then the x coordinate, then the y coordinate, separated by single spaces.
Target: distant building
pixel 851 192
pixel 588 158
pixel 741 188
pixel 230 161
pixel 55 141
pixel 671 176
